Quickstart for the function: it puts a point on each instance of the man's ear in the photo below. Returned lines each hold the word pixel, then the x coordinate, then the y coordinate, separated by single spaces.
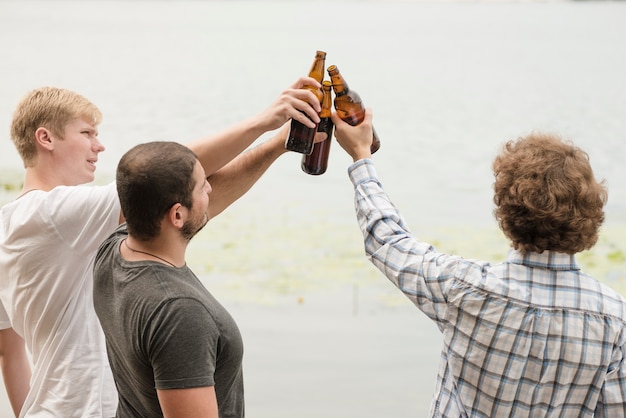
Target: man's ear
pixel 43 137
pixel 177 215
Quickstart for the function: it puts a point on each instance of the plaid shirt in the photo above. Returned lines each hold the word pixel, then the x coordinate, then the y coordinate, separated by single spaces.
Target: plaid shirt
pixel 532 336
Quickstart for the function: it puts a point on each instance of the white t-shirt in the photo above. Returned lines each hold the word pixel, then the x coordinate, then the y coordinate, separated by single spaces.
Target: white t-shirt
pixel 48 242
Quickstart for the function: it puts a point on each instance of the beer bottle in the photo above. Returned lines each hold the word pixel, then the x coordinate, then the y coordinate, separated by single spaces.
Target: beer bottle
pixel 300 138
pixel 317 162
pixel 348 104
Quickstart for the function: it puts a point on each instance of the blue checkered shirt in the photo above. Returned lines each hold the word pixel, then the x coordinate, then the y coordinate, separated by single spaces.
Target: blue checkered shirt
pixel 533 336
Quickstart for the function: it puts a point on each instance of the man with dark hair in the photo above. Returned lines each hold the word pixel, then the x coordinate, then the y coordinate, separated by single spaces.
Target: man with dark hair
pixel 533 335
pixel 173 349
pixel 169 342
pixel 50 233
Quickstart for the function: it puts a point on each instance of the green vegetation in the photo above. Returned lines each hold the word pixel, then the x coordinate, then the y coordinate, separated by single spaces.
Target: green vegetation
pixel 265 257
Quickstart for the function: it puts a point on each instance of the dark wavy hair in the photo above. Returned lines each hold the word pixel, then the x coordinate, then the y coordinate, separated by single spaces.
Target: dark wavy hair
pixel 151 177
pixel 546 195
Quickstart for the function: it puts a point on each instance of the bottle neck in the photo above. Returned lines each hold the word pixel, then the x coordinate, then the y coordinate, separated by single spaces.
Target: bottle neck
pixel 327 100
pixel 340 89
pixel 317 69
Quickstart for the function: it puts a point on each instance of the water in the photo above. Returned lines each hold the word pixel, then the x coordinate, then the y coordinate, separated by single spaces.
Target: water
pixel 449 82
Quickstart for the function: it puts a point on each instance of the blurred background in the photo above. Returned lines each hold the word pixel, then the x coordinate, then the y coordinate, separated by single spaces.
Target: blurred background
pixel 448 81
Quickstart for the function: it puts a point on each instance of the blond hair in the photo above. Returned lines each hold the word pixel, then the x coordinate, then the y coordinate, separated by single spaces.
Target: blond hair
pixel 51 108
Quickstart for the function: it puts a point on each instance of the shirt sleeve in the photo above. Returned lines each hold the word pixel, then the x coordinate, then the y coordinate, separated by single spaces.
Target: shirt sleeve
pixel 84 215
pixel 182 345
pixel 422 274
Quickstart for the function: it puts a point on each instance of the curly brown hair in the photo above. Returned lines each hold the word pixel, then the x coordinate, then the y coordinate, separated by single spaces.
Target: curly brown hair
pixel 546 195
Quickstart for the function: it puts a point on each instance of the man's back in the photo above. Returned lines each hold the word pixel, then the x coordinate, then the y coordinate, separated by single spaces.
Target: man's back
pixel 47 246
pixel 531 335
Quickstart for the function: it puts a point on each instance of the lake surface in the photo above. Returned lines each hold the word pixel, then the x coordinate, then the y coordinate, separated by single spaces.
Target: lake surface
pixel 449 82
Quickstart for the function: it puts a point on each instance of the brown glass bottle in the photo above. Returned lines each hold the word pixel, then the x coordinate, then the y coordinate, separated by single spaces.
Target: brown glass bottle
pixel 348 104
pixel 300 138
pixel 316 163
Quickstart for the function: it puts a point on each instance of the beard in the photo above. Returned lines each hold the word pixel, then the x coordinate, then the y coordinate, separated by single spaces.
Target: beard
pixel 193 226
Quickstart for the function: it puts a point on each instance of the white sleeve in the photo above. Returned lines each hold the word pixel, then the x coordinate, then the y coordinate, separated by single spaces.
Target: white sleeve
pixel 94 214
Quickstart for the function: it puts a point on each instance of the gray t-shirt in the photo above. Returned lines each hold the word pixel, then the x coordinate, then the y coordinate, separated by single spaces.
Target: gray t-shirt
pixel 164 330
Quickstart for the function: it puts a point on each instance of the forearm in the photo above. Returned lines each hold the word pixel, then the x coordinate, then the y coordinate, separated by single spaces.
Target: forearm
pixel 215 151
pixel 296 102
pixel 237 177
pixel 382 225
pixel 390 245
pixel 15 366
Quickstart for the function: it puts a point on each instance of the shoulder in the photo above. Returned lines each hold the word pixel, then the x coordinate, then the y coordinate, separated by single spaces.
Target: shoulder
pixel 194 310
pixel 105 249
pixel 85 193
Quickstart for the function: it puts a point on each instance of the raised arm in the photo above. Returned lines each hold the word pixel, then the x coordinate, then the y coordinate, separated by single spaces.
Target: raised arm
pixel 15 368
pixel 217 150
pixel 237 177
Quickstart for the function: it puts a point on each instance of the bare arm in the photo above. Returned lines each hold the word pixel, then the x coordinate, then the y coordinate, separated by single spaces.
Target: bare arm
pixel 15 368
pixel 218 150
pixel 188 403
pixel 237 177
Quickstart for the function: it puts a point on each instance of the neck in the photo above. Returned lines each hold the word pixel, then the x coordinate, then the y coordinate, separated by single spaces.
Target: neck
pixel 33 180
pixel 169 254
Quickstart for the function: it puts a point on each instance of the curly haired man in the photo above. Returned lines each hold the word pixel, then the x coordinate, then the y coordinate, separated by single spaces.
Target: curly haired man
pixel 530 336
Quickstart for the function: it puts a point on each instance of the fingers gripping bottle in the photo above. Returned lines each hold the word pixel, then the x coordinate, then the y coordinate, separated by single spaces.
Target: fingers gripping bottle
pixel 317 162
pixel 348 104
pixel 300 138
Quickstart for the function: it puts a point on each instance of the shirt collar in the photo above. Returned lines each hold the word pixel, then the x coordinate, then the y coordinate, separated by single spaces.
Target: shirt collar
pixel 548 259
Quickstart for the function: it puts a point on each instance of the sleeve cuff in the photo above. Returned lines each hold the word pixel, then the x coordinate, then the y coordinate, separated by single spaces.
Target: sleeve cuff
pixel 362 171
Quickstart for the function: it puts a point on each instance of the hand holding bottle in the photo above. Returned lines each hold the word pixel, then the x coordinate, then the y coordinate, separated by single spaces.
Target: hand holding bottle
pixel 302 135
pixel 356 140
pixel 348 103
pixel 294 102
pixel 316 162
pixel 297 102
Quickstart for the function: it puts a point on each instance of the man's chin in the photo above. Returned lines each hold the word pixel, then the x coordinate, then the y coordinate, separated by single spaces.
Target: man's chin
pixel 189 233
